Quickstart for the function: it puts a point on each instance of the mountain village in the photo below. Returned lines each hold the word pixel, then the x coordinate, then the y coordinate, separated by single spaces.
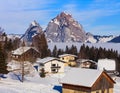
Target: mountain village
pixel 31 67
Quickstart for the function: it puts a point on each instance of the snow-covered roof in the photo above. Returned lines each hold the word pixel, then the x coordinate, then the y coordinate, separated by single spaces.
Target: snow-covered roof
pixel 21 50
pixel 47 59
pixel 67 55
pixel 107 64
pixel 81 77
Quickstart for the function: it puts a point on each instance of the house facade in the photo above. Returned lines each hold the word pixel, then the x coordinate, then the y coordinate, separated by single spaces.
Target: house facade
pixel 51 65
pixel 69 59
pixel 25 54
pixel 87 81
pixel 86 63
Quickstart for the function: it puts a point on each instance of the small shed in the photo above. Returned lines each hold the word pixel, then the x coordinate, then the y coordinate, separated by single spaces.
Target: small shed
pixel 69 59
pixel 51 65
pixel 25 53
pixel 87 81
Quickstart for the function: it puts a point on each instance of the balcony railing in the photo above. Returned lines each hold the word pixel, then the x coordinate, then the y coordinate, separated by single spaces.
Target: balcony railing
pixel 55 67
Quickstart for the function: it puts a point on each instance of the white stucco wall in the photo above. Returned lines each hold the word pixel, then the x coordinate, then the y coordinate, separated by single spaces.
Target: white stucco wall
pixel 47 66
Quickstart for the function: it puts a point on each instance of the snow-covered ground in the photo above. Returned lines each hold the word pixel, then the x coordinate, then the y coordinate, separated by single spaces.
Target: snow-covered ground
pixel 36 84
pixel 114 46
pixel 117 85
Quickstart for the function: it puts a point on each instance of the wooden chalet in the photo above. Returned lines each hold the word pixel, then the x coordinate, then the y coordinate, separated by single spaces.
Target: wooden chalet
pixel 25 53
pixel 87 81
pixel 69 59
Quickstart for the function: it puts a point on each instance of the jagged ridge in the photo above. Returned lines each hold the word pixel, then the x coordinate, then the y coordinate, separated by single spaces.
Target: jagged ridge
pixel 64 28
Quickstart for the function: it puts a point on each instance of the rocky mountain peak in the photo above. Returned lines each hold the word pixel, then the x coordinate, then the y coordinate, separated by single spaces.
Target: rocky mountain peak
pixel 63 28
pixel 33 29
pixel 34 23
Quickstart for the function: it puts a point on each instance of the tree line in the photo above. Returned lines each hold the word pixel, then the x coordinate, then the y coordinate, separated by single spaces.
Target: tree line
pixel 91 53
pixel 40 42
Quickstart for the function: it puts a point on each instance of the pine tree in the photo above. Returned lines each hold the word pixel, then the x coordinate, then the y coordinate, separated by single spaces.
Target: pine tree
pixel 55 51
pixel 3 64
pixel 9 45
pixel 42 73
pixel 82 54
pixel 73 50
pixel 40 42
pixel 60 52
pixel 67 50
pixel 16 43
pixel 49 53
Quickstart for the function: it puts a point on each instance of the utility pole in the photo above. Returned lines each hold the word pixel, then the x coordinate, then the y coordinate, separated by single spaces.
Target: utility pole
pixel 22 61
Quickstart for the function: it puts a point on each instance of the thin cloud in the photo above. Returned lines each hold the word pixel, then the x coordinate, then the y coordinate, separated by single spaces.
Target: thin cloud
pixel 93 13
pixel 21 13
pixel 19 5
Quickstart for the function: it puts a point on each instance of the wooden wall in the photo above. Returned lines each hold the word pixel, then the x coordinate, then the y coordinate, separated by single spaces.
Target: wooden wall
pixel 102 85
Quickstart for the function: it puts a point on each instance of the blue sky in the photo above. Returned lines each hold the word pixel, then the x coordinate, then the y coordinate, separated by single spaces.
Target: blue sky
pixel 101 17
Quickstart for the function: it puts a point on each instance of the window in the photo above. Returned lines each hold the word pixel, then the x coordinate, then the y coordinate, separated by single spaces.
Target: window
pixel 53 70
pixel 53 65
pixel 41 64
pixel 103 91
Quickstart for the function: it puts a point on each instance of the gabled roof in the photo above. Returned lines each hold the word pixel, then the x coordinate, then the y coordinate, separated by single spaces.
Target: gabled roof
pixel 67 55
pixel 47 59
pixel 81 77
pixel 21 50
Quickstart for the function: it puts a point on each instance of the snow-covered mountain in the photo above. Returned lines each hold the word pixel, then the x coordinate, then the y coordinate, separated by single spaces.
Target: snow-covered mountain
pixel 33 29
pixel 116 39
pixel 63 28
pixel 98 39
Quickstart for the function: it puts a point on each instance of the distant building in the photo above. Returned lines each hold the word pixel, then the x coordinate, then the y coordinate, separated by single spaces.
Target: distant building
pixel 69 59
pixel 86 63
pixel 109 66
pixel 25 54
pixel 51 65
pixel 87 81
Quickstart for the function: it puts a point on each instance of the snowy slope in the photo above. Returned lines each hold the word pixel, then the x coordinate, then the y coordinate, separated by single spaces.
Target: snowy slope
pixel 40 85
pixel 98 39
pixel 9 86
pixel 116 39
